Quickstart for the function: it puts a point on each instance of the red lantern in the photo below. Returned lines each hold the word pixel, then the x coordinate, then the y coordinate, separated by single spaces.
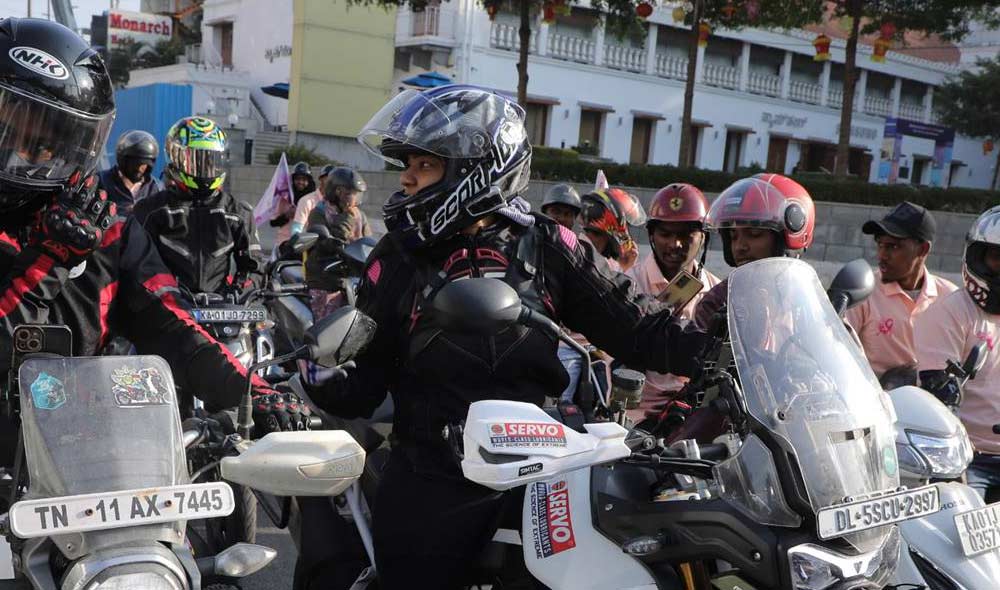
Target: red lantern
pixel 822 45
pixel 644 9
pixel 491 10
pixel 880 49
pixel 887 30
pixel 548 13
pixel 987 146
pixel 703 32
pixel 729 10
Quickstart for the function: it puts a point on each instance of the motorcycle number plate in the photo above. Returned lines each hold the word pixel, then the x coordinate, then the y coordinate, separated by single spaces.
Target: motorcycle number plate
pixel 229 316
pixel 111 510
pixel 979 529
pixel 843 519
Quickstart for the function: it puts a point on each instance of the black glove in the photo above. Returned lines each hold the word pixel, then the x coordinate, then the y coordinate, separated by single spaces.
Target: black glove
pixel 280 221
pixel 942 385
pixel 274 412
pixel 74 225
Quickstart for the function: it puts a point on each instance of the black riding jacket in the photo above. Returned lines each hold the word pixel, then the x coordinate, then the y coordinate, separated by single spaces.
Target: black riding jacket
pixel 434 375
pixel 199 239
pixel 111 182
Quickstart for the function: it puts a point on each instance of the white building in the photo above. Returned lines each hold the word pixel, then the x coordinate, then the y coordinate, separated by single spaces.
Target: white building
pixel 760 99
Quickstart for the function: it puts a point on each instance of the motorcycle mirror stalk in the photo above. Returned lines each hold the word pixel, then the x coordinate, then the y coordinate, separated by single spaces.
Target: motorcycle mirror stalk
pixel 852 285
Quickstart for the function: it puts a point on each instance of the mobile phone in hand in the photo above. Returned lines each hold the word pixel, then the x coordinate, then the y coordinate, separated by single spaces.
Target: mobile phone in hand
pixel 680 291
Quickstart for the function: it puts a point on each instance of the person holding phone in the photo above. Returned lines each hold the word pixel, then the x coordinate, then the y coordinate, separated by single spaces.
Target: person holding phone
pixel 679 241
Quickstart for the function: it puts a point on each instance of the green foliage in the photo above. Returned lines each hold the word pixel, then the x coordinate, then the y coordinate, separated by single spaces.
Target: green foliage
pixel 299 153
pixel 970 102
pixel 822 188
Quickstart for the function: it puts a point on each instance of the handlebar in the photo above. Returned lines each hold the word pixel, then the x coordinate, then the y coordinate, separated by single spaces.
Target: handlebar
pixel 709 452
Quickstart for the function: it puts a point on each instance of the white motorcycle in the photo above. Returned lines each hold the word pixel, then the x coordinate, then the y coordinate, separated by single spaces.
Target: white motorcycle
pixel 801 493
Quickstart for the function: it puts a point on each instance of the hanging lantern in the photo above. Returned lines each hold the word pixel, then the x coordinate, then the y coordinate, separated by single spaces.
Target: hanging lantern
pixel 880 49
pixel 822 45
pixel 678 14
pixel 729 10
pixel 548 13
pixel 491 10
pixel 703 32
pixel 644 9
pixel 987 146
pixel 887 30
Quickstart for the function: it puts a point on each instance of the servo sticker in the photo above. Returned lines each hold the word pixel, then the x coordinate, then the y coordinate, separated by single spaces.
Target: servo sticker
pixel 551 523
pixel 526 434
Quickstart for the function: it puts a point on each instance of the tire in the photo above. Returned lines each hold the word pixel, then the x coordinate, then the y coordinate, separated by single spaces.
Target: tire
pixel 238 527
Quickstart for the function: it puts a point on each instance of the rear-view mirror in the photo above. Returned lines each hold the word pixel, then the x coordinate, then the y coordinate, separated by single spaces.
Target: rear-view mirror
pixel 852 285
pixel 339 337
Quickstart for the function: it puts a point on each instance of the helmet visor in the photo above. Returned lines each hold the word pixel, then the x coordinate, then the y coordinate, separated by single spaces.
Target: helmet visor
pixel 750 202
pixel 43 143
pixel 196 162
pixel 455 124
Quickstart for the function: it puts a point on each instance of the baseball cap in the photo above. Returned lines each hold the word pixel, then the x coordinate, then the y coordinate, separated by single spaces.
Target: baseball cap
pixel 906 220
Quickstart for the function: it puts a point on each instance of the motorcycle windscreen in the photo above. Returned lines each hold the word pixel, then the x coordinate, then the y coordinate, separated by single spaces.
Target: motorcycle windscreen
pixel 807 381
pixel 100 424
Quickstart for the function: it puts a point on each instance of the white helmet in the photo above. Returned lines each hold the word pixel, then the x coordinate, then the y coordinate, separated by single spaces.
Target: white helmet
pixel 982 284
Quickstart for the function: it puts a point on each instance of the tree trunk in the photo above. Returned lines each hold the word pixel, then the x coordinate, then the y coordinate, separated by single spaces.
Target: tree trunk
pixel 684 158
pixel 850 78
pixel 996 173
pixel 524 34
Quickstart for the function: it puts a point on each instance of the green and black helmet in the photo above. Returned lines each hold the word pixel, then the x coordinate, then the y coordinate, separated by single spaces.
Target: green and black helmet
pixel 197 150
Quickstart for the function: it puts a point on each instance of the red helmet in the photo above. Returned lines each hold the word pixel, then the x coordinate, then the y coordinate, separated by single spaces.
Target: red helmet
pixel 678 202
pixel 769 201
pixel 610 212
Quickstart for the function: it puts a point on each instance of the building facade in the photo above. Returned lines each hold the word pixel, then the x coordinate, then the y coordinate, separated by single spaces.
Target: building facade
pixel 760 99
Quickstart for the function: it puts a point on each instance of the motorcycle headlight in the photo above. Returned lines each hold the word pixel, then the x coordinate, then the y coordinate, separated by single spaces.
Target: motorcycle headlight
pixel 947 457
pixel 814 567
pixel 134 577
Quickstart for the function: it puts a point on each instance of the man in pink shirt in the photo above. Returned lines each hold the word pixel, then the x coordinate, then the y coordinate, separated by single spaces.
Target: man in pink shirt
pixel 904 287
pixel 676 226
pixel 309 202
pixel 951 327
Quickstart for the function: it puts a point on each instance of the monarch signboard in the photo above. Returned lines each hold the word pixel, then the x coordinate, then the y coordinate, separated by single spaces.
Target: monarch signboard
pixel 139 27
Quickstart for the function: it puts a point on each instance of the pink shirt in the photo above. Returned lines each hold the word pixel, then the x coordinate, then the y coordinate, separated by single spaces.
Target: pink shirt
pixel 649 280
pixel 305 207
pixel 884 321
pixel 947 331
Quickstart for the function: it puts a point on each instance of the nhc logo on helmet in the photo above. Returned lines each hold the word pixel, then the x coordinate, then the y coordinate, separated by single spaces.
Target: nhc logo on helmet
pixel 39 62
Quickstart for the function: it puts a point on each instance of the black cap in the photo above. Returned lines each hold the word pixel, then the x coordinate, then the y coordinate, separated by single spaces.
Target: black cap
pixel 906 220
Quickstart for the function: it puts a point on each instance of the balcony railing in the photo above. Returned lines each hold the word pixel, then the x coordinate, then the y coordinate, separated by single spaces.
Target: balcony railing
pixel 914 112
pixel 671 67
pixel 571 48
pixel 721 76
pixel 764 84
pixel 504 36
pixel 876 105
pixel 621 57
pixel 835 98
pixel 434 24
pixel 804 92
pixel 427 22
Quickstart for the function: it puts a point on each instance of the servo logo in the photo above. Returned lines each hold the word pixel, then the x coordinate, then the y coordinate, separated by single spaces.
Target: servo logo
pixel 551 523
pixel 39 62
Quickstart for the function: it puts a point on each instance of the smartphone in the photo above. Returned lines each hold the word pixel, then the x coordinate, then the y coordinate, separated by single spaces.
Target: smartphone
pixel 680 291
pixel 31 339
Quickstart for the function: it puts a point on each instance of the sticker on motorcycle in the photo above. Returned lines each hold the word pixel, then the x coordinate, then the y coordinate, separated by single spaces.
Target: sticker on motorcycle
pixel 526 434
pixel 47 392
pixel 529 469
pixel 551 523
pixel 139 387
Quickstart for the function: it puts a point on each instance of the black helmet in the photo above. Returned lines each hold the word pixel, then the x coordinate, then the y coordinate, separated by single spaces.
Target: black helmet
pixel 326 170
pixel 302 169
pixel 478 134
pixel 56 109
pixel 563 194
pixel 342 176
pixel 137 144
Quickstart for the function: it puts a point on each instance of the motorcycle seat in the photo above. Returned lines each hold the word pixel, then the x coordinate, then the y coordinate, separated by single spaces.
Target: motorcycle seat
pixel 292 274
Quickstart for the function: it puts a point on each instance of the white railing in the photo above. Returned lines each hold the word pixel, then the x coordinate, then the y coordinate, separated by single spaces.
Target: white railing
pixel 804 92
pixel 913 112
pixel 426 23
pixel 503 36
pixel 876 105
pixel 571 47
pixel 721 76
pixel 671 67
pixel 621 57
pixel 765 84
pixel 835 98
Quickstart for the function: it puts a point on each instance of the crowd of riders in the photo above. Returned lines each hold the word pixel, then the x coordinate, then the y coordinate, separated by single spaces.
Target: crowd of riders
pixel 97 251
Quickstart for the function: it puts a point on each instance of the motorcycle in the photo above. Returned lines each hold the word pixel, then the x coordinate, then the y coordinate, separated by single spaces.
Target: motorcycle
pixel 801 491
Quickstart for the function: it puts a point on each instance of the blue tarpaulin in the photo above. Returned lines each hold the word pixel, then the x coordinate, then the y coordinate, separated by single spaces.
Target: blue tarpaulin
pixel 428 80
pixel 154 109
pixel 279 90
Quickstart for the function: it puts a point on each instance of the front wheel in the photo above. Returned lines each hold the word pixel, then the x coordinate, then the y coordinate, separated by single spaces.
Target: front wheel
pixel 238 527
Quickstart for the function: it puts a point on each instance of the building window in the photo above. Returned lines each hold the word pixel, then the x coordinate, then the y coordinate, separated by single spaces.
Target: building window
pixel 734 150
pixel 590 131
pixel 919 166
pixel 536 121
pixel 226 43
pixel 642 140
